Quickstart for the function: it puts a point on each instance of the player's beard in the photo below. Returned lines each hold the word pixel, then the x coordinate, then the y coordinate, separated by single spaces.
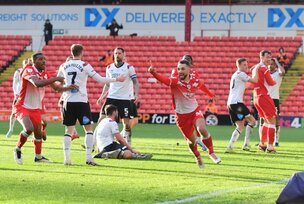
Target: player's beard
pixel 182 77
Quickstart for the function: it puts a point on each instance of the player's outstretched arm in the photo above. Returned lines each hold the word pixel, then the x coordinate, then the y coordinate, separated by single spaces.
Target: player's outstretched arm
pixel 206 90
pixel 280 67
pixel 159 77
pixel 60 88
pixel 44 82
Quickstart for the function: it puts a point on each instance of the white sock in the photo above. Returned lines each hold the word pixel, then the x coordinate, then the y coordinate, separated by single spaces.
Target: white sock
pixel 89 141
pixel 235 135
pixel 67 147
pixel 277 135
pixel 248 133
pixel 128 136
pixel 12 123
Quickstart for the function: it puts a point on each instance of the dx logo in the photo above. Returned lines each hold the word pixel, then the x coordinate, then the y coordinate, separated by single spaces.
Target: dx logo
pixel 94 16
pixel 277 16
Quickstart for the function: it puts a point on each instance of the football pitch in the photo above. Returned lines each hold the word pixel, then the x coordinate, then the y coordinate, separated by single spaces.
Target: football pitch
pixel 172 175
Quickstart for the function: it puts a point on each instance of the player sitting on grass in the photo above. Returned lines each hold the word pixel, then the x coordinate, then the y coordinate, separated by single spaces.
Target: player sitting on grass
pixel 105 133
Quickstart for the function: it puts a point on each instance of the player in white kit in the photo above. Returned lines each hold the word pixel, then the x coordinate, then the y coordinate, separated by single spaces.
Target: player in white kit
pixel 237 110
pixel 277 72
pixel 76 105
pixel 120 94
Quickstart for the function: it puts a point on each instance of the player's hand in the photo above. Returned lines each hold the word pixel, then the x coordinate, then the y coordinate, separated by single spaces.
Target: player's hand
pixel 120 78
pixel 151 68
pixel 73 86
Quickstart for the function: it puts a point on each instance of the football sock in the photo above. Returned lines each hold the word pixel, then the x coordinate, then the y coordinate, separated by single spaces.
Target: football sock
pixel 12 122
pixel 38 147
pixel 193 149
pixel 277 135
pixel 22 139
pixel 208 143
pixel 248 133
pixel 89 141
pixel 235 135
pixel 263 135
pixel 271 133
pixel 66 147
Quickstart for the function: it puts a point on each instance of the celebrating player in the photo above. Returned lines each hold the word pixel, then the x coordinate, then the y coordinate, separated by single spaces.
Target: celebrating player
pixel 76 105
pixel 265 104
pixel 188 115
pixel 121 94
pixel 277 72
pixel 28 106
pixel 237 110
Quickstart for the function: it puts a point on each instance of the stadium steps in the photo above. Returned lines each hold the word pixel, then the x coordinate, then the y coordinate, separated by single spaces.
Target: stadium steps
pixel 292 77
pixel 13 67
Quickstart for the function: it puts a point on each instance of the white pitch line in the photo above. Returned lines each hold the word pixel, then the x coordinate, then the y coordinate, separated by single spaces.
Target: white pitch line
pixel 219 192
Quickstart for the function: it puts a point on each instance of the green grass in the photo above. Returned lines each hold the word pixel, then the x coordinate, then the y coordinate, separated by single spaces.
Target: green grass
pixel 171 174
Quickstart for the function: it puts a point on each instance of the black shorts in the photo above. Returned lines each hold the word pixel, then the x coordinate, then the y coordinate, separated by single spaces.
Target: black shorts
pixel 238 112
pixel 123 106
pixel 114 146
pixel 77 110
pixel 134 112
pixel 277 105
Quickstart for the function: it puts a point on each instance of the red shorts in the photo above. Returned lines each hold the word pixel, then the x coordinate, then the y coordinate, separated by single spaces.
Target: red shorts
pixel 34 114
pixel 265 106
pixel 186 122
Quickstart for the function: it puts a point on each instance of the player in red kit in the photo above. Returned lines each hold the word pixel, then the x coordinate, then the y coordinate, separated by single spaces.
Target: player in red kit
pixel 28 106
pixel 188 115
pixel 264 103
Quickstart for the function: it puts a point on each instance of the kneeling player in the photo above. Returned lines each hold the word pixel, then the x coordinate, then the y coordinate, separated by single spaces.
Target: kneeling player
pixel 105 133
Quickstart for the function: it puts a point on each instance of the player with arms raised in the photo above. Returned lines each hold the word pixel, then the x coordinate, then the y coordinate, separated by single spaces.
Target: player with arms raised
pixel 264 103
pixel 188 115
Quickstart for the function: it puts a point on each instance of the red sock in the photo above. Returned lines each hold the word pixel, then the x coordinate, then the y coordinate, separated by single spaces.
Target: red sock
pixel 208 143
pixel 271 135
pixel 264 134
pixel 38 146
pixel 22 140
pixel 195 151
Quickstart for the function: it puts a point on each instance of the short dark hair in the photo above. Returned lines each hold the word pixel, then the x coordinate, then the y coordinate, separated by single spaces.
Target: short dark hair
pixel 186 62
pixel 120 48
pixel 188 58
pixel 240 60
pixel 76 49
pixel 109 109
pixel 37 55
pixel 264 52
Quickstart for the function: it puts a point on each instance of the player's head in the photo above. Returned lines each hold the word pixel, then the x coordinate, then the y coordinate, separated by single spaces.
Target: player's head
pixel 242 64
pixel 39 61
pixel 265 56
pixel 273 65
pixel 183 69
pixel 188 58
pixel 119 55
pixel 77 50
pixel 111 110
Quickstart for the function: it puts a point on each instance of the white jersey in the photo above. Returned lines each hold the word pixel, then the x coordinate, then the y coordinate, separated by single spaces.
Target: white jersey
pixel 274 91
pixel 17 82
pixel 121 90
pixel 105 132
pixel 76 72
pixel 237 87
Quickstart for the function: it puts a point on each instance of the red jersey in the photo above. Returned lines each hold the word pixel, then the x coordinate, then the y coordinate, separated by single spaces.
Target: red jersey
pixel 30 96
pixel 183 92
pixel 264 78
